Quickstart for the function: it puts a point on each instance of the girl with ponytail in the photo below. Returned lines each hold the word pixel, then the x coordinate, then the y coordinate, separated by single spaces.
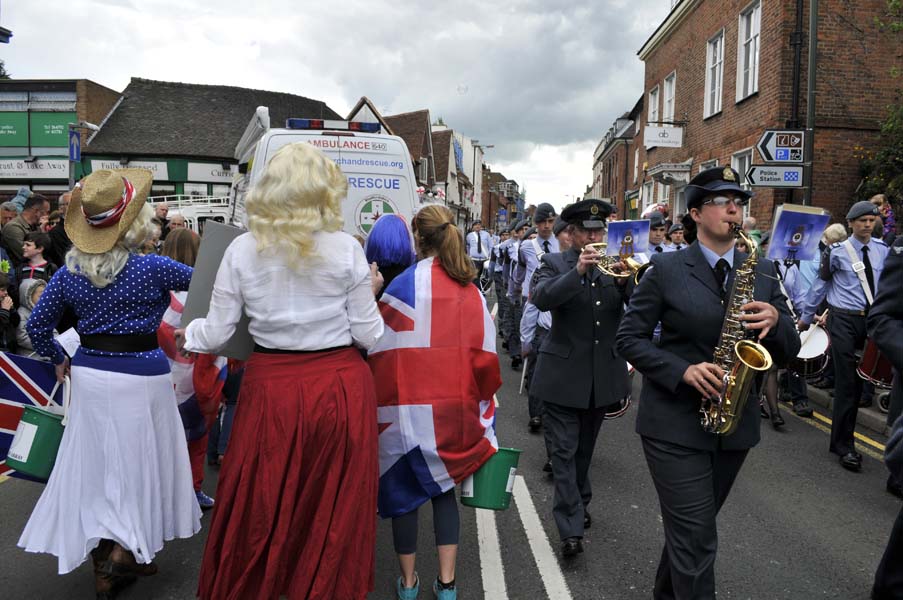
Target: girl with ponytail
pixel 436 234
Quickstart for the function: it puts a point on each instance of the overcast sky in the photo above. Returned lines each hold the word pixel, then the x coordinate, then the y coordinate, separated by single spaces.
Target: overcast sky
pixel 542 80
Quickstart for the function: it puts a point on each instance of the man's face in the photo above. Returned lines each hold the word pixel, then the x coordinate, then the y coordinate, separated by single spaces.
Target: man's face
pixel 161 210
pixel 544 228
pixel 477 227
pixel 657 235
pixel 64 203
pixel 862 227
pixel 564 239
pixel 503 236
pixel 29 249
pixel 33 215
pixel 6 216
pixel 177 222
pixel 677 237
pixel 519 233
pixel 580 237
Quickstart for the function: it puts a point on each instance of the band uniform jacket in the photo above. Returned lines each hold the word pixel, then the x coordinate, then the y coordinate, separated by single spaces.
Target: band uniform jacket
pixel 885 319
pixel 577 357
pixel 680 292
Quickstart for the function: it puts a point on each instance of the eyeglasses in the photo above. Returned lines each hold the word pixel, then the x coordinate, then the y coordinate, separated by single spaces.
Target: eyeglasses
pixel 723 201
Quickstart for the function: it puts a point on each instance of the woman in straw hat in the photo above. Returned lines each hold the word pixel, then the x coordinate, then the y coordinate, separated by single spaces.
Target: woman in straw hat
pixel 122 481
pixel 295 511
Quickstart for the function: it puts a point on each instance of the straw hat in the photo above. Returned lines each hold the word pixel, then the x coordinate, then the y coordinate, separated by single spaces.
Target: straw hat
pixel 104 206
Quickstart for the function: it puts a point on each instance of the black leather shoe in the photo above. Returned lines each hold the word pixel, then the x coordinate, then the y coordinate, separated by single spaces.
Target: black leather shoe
pixel 505 345
pixel 777 421
pixel 802 409
pixel 762 412
pixel 516 362
pixel 851 461
pixel 571 547
pixel 535 424
pixel 587 520
pixel 547 468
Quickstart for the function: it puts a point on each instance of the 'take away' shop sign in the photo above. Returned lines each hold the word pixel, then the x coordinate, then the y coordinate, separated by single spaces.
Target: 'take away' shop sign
pixel 42 168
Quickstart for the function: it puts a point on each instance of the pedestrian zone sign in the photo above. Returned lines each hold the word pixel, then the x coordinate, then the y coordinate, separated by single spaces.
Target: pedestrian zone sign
pixel 782 145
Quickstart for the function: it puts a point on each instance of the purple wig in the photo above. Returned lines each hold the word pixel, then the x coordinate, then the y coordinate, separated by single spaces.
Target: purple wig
pixel 389 242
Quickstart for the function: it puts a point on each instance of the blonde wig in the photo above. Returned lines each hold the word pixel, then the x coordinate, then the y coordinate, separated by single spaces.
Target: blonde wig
pixel 102 269
pixel 299 194
pixel 835 233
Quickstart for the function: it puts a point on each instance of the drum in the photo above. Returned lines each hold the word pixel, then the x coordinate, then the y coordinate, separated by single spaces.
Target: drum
pixel 874 366
pixel 813 355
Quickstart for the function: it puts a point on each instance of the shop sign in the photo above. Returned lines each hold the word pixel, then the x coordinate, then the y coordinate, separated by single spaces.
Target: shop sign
pixel 13 129
pixel 159 169
pixel 43 168
pixel 212 173
pixel 51 129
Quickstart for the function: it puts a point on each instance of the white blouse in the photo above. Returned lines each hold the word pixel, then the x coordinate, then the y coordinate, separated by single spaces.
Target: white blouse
pixel 326 304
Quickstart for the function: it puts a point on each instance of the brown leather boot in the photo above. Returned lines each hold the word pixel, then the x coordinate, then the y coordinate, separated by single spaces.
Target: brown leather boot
pixel 121 562
pixel 101 553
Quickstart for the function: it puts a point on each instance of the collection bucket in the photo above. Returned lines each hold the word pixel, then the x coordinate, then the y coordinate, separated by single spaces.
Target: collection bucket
pixel 34 448
pixel 490 487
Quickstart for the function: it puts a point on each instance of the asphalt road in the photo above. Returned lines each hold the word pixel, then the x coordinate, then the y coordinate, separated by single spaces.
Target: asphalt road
pixel 796 526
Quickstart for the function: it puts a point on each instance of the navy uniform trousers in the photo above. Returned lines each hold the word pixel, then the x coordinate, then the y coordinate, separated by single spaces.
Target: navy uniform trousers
pixel 848 333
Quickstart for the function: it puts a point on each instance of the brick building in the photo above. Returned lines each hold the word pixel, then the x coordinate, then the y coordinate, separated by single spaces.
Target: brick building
pixel 725 70
pixel 615 171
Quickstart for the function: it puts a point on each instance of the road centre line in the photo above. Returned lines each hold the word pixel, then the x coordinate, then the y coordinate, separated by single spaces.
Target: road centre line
pixel 492 570
pixel 546 561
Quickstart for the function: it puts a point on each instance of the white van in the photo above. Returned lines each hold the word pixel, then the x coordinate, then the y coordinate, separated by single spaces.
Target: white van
pixel 378 166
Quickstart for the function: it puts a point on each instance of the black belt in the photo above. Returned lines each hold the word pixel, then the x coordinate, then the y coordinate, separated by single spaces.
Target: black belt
pixel 265 350
pixel 139 342
pixel 855 313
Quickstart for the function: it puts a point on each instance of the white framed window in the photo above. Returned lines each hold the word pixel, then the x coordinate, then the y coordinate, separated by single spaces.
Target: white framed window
pixel 653 107
pixel 748 51
pixel 664 191
pixel 741 162
pixel 669 88
pixel 423 169
pixel 680 202
pixel 647 195
pixel 195 189
pixel 636 165
pixel 714 75
pixel 709 164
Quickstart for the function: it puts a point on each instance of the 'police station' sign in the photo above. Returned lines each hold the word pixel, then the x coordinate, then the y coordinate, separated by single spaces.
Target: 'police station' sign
pixel 667 137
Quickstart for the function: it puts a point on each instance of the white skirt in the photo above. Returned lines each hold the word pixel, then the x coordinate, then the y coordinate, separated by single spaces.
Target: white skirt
pixel 122 472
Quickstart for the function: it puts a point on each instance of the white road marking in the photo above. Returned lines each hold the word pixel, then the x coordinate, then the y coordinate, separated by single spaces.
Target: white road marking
pixel 491 567
pixel 546 562
pixel 494 311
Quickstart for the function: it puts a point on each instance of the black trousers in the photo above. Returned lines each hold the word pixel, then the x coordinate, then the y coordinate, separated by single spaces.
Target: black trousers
pixel 501 318
pixel 848 333
pixel 535 402
pixel 571 438
pixel 692 486
pixel 889 577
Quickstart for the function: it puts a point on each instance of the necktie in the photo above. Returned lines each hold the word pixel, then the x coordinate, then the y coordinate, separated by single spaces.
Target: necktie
pixel 479 244
pixel 869 276
pixel 679 246
pixel 722 268
pixel 545 246
pixel 658 248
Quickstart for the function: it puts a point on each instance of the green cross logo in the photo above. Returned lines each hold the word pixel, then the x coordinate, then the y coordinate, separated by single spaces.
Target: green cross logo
pixel 372 209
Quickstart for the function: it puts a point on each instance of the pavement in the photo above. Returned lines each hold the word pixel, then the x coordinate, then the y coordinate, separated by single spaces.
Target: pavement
pixel 866 418
pixel 796 526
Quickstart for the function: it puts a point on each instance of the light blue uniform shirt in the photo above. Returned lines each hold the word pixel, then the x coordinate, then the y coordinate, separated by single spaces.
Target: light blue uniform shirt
pixel 524 273
pixel 531 318
pixel 712 257
pixel 673 247
pixel 843 289
pixel 809 272
pixel 653 248
pixel 794 286
pixel 473 249
pixel 500 251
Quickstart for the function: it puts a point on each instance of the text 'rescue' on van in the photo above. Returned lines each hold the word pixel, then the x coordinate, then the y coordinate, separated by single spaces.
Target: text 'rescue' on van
pixel 378 166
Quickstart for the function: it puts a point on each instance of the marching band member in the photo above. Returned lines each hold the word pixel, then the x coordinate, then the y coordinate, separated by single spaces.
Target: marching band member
pixel 657 229
pixel 577 374
pixel 514 295
pixel 849 274
pixel 498 282
pixel 479 244
pixel 677 238
pixel 693 470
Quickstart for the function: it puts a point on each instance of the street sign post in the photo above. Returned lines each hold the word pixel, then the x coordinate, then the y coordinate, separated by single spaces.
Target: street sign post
pixel 782 145
pixel 75 145
pixel 783 176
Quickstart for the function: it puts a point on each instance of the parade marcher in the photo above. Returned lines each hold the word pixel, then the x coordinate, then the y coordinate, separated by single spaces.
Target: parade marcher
pixel 577 373
pixel 677 238
pixel 657 229
pixel 769 379
pixel 479 245
pixel 514 294
pixel 294 513
pixel 848 278
pixel 693 470
pixel 457 435
pixel 121 485
pixel 389 246
pixel 499 284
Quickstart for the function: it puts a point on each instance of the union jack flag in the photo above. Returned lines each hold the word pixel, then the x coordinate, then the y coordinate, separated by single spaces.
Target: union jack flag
pixel 436 371
pixel 23 382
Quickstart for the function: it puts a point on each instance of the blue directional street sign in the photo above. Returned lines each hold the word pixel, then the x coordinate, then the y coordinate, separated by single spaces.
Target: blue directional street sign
pixel 75 145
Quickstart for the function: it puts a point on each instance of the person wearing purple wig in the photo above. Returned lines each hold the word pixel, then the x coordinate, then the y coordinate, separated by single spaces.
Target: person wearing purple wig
pixel 389 246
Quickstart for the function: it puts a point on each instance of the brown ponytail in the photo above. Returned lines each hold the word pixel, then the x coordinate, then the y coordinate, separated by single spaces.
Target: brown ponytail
pixel 438 236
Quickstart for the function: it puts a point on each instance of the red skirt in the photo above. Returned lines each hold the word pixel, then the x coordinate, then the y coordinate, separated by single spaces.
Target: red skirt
pixel 295 507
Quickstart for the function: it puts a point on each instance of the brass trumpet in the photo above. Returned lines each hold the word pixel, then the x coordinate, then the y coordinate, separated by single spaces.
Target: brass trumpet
pixel 606 263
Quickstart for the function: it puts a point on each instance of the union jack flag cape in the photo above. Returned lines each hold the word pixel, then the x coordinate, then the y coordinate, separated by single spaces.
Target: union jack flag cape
pixel 23 382
pixel 435 370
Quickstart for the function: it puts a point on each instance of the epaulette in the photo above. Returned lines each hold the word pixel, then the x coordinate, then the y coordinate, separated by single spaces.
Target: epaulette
pixel 879 241
pixel 835 245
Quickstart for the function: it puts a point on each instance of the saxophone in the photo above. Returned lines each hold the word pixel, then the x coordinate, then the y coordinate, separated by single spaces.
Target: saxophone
pixel 740 357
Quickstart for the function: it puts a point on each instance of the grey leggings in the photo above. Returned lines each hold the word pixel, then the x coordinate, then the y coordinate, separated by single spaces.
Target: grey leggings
pixel 446 524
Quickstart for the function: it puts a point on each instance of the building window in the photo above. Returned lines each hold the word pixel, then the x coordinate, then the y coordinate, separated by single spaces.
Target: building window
pixel 195 189
pixel 423 174
pixel 741 161
pixel 647 195
pixel 680 203
pixel 668 112
pixel 664 191
pixel 636 165
pixel 714 72
pixel 653 107
pixel 748 51
pixel 709 164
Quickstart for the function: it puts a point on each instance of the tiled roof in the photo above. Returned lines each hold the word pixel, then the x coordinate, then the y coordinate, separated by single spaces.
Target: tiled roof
pixel 441 152
pixel 161 118
pixel 414 129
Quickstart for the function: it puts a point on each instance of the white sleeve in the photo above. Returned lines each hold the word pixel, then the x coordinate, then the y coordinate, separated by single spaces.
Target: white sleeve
pixel 210 334
pixel 363 315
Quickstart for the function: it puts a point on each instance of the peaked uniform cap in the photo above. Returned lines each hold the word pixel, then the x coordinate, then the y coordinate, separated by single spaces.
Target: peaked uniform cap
pixel 710 181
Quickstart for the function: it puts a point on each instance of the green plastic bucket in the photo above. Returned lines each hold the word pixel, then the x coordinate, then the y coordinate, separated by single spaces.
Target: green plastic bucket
pixel 37 440
pixel 490 487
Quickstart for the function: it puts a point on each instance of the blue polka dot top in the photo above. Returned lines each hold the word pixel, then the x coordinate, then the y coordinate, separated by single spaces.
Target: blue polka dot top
pixel 133 304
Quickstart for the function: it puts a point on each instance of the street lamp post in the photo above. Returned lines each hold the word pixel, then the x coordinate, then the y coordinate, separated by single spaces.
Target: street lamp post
pixel 79 125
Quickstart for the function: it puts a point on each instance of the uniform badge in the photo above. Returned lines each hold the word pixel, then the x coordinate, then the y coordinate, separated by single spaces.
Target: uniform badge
pixel 594 209
pixel 728 174
pixel 898 250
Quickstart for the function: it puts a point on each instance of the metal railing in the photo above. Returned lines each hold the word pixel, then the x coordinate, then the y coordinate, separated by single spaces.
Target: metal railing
pixel 177 201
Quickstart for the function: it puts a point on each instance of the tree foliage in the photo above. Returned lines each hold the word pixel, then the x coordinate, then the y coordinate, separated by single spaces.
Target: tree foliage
pixel 882 169
pixel 4 74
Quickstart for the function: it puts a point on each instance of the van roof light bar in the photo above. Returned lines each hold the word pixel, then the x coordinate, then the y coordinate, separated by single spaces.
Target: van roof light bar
pixel 327 124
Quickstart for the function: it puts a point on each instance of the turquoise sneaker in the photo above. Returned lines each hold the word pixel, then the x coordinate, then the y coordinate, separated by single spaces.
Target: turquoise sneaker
pixel 403 593
pixel 444 594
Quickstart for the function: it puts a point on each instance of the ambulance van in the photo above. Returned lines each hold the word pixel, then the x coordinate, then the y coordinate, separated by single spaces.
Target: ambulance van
pixel 378 166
